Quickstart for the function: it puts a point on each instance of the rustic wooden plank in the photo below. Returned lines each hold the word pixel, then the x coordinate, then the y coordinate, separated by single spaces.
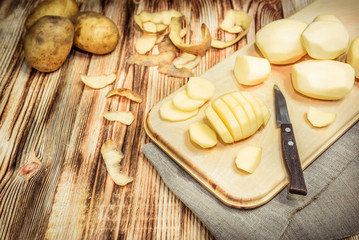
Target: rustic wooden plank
pixel 69 192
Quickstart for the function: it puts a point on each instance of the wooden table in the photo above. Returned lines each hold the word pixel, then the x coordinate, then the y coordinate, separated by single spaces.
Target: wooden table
pixel 53 181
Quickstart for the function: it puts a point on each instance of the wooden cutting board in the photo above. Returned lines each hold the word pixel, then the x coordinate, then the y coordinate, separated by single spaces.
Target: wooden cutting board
pixel 215 168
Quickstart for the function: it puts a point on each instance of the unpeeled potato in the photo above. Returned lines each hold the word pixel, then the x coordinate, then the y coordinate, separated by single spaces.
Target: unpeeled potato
pixel 94 32
pixel 48 42
pixel 63 8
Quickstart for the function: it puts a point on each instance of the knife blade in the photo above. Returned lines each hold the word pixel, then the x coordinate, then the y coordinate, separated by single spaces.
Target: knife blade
pixel 289 145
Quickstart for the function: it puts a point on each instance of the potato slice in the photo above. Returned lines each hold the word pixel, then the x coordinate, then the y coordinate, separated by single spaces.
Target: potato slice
pixel 170 113
pixel 197 48
pixel 201 134
pixel 228 119
pixel 256 107
pixel 218 125
pixel 319 118
pixel 145 43
pixel 280 41
pixel 99 81
pixel 125 92
pixel 240 18
pixel 122 117
pixel 265 111
pixel 200 88
pixel 248 158
pixel 112 159
pixel 183 59
pixel 325 39
pixel 184 103
pixel 353 56
pixel 239 114
pixel 248 109
pixel 251 70
pixel 323 79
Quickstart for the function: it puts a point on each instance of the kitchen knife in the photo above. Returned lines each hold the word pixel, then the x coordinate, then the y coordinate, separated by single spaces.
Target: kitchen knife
pixel 289 146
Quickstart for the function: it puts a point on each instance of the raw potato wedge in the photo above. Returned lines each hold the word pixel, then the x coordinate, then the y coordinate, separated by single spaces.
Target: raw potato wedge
pixel 201 134
pixel 239 113
pixel 228 118
pixel 248 109
pixel 218 125
pixel 112 159
pixel 353 56
pixel 323 79
pixel 200 88
pixel 122 117
pixel 184 103
pixel 280 41
pixel 145 43
pixel 99 81
pixel 170 113
pixel 248 158
pixel 250 70
pixel 319 118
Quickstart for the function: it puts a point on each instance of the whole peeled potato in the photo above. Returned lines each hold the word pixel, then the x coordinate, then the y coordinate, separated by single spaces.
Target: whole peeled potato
pixel 48 42
pixel 63 8
pixel 94 32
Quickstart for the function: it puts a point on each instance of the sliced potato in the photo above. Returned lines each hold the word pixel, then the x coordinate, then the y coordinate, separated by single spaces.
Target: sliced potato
pixel 122 117
pixel 201 134
pixel 255 106
pixel 184 103
pixel 218 125
pixel 265 111
pixel 228 118
pixel 248 109
pixel 319 118
pixel 200 88
pixel 248 158
pixel 99 81
pixel 125 92
pixel 239 114
pixel 197 48
pixel 242 20
pixel 145 43
pixel 112 159
pixel 170 113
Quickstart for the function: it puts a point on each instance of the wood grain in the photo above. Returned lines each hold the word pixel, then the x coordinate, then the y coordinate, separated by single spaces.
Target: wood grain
pixel 53 182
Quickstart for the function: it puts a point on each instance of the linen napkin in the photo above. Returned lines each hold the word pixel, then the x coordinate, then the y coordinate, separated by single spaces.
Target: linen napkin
pixel 329 211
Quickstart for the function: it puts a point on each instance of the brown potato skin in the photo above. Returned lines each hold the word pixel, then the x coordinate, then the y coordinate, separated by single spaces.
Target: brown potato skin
pixel 94 32
pixel 48 42
pixel 63 8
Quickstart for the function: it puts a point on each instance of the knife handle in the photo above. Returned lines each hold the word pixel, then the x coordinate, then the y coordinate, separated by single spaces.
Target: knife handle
pixel 292 161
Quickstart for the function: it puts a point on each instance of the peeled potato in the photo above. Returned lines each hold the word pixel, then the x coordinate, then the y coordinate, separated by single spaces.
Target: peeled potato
pixel 184 103
pixel 323 79
pixel 201 134
pixel 248 158
pixel 353 56
pixel 251 70
pixel 279 41
pixel 319 118
pixel 325 39
pixel 170 113
pixel 200 88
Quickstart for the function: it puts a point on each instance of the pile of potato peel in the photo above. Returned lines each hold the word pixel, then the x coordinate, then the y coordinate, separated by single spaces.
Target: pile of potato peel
pixel 179 58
